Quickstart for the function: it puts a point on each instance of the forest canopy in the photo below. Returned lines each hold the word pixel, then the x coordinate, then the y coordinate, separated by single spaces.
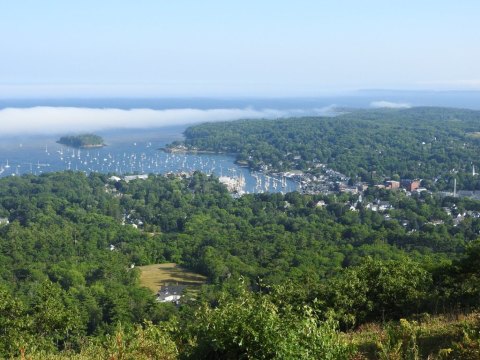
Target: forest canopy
pixel 424 142
pixel 280 259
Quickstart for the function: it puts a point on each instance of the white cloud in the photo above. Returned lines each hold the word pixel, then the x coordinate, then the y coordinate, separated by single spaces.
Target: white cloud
pixel 389 105
pixel 56 120
pixel 71 119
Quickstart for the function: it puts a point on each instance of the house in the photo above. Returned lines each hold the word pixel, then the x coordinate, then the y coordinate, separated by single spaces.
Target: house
pixel 372 207
pixel 4 221
pixel 114 178
pixel 392 184
pixel 457 220
pixel 380 206
pixel 419 190
pixel 384 205
pixel 170 293
pixel 436 222
pixel 474 214
pixel 362 186
pixel 349 189
pixel 135 177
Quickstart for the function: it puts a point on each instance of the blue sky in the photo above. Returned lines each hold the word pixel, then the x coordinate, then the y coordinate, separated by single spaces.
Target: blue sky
pixel 236 48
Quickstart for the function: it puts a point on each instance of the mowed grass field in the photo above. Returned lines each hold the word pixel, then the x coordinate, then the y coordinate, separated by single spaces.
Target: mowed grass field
pixel 474 135
pixel 157 275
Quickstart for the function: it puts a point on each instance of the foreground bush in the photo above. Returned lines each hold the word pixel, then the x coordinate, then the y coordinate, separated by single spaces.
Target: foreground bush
pixel 254 327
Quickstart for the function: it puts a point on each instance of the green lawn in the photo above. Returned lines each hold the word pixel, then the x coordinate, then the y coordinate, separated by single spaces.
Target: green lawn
pixel 154 276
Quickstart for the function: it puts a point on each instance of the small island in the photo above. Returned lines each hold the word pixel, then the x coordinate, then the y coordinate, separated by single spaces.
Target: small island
pixel 82 141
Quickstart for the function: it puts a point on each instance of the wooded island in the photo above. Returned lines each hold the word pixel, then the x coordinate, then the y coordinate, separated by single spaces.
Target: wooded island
pixel 82 141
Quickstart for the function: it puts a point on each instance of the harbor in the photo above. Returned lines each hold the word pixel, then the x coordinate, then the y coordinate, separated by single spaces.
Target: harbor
pixel 135 154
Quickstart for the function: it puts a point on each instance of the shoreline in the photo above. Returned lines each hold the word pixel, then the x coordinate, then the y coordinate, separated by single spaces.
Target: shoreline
pixel 92 146
pixel 241 163
pixel 190 151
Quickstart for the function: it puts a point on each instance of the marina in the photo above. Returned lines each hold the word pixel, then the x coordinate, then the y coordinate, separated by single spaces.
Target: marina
pixel 137 153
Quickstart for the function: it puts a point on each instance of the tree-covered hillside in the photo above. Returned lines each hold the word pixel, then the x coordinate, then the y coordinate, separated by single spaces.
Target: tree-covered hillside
pixel 286 272
pixel 427 143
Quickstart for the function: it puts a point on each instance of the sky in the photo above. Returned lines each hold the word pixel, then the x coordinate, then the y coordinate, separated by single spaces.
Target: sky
pixel 236 48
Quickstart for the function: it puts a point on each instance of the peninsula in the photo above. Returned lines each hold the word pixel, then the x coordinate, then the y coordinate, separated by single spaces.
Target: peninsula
pixel 82 141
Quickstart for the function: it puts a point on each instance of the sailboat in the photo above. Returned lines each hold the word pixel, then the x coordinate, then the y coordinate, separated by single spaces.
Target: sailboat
pixel 7 166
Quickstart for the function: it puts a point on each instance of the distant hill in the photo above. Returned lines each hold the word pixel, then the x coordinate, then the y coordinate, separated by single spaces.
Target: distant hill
pixel 82 141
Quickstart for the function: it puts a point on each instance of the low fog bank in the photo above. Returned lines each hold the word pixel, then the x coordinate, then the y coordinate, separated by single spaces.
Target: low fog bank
pixel 58 120
pixel 389 105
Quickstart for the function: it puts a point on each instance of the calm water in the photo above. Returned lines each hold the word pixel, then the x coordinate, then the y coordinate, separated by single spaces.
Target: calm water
pixel 137 151
pixel 360 99
pixel 132 152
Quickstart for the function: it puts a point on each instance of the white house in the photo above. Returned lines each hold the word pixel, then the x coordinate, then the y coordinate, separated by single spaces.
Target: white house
pixel 135 177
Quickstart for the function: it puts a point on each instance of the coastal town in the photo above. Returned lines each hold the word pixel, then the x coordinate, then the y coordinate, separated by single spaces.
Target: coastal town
pixel 327 184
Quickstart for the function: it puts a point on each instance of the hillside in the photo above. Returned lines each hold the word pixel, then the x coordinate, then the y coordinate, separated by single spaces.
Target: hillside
pixel 276 265
pixel 427 143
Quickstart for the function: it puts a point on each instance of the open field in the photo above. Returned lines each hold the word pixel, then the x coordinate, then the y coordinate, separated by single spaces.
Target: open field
pixel 157 275
pixel 474 135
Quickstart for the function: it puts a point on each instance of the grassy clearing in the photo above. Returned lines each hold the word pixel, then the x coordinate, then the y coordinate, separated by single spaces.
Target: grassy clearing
pixel 474 135
pixel 157 275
